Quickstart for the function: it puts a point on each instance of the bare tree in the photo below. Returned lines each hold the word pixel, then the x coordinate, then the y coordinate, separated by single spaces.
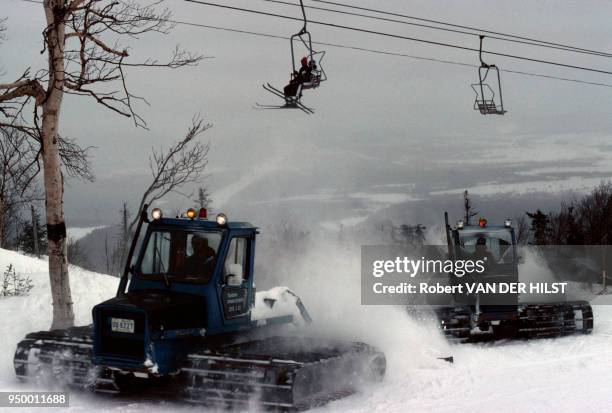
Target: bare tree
pixel 180 165
pixel 595 215
pixel 84 58
pixel 522 230
pixel 17 186
pixel 2 38
pixel 107 254
pixel 77 253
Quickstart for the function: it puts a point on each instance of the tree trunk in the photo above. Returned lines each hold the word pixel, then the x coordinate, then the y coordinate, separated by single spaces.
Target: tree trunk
pixel 35 231
pixel 63 315
pixel 2 216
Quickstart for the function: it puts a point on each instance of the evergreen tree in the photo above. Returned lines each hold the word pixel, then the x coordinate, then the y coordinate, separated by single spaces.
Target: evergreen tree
pixel 122 243
pixel 540 227
pixel 203 200
pixel 26 239
pixel 468 208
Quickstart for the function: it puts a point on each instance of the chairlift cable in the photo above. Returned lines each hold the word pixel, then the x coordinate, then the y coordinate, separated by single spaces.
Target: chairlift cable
pixel 397 36
pixel 543 42
pixel 387 53
pixel 536 43
pixel 368 50
pixel 383 52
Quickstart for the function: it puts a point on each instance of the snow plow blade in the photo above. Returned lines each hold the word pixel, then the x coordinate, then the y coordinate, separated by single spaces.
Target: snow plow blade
pixel 281 373
pixel 532 321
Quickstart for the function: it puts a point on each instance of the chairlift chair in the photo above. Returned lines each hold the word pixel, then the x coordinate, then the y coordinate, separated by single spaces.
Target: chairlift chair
pixel 317 73
pixel 485 101
pixel 315 59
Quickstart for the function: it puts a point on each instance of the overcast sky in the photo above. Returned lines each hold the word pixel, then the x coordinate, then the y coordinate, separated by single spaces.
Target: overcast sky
pixel 386 129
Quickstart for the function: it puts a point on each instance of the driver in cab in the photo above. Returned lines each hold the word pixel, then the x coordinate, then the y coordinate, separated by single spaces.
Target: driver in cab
pixel 201 263
pixel 481 252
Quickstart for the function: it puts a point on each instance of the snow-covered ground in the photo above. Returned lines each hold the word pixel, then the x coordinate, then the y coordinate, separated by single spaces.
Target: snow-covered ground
pixel 565 374
pixel 21 315
pixel 570 374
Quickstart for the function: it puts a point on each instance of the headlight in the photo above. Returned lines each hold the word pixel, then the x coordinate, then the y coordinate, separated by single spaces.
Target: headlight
pixel 156 213
pixel 221 219
pixel 191 213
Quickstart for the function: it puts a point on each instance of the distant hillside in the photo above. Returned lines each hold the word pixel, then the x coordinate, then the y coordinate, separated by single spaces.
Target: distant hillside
pixel 98 246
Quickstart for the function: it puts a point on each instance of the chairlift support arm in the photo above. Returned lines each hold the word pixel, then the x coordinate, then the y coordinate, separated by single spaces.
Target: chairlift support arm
pixel 486 67
pixel 302 32
pixel 304 15
pixel 482 63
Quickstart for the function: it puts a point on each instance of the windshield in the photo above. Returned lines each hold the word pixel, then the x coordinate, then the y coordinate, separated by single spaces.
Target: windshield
pixel 181 255
pixel 494 244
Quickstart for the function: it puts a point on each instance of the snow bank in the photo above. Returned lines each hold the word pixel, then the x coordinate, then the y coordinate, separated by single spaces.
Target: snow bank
pixel 275 302
pixel 22 315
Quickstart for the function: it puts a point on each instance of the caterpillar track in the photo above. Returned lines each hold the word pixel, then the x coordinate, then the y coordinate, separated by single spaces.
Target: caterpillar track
pixel 532 321
pixel 62 358
pixel 281 373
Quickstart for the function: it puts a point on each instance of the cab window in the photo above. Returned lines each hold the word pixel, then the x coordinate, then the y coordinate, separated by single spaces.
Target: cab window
pixel 181 255
pixel 496 243
pixel 236 259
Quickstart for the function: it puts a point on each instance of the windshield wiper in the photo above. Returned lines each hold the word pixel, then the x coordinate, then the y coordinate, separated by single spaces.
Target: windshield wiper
pixel 166 280
pixel 163 269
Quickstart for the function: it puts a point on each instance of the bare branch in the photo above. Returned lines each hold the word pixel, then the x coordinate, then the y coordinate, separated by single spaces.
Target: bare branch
pixel 17 172
pixel 180 165
pixel 75 159
pixel 23 88
pixel 93 61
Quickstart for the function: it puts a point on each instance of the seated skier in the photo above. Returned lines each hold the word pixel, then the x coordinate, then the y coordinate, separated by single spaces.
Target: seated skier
pixel 300 77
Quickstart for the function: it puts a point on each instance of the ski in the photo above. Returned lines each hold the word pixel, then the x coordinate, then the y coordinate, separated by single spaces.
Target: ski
pixel 258 106
pixel 273 90
pixel 288 105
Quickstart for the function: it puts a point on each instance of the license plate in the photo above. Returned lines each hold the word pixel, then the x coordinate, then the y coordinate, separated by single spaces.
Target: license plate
pixel 122 325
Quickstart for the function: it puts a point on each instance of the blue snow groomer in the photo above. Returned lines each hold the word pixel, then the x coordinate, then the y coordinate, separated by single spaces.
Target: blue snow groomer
pixel 184 316
pixel 485 315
